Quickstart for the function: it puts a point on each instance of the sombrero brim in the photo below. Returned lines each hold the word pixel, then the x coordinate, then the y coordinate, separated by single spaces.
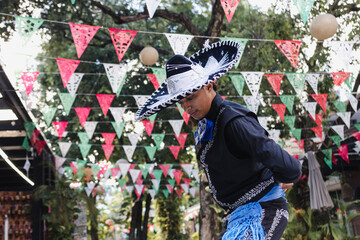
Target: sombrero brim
pixel 161 98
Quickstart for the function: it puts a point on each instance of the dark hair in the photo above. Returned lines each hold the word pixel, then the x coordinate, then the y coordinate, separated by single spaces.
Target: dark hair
pixel 215 86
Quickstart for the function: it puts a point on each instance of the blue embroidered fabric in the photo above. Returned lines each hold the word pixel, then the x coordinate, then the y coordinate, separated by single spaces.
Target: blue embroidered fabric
pixel 246 219
pixel 203 131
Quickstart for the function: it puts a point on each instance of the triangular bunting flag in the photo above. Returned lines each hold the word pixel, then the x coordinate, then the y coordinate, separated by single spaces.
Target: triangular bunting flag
pixel 357 125
pixel 275 81
pixel 153 80
pixel 252 102
pixel 253 80
pixel 141 99
pixel 353 101
pixel 134 138
pixel 84 138
pixel 187 168
pixel 158 138
pixel 108 149
pixel 229 7
pixel 345 117
pixel 105 101
pixel 165 168
pixel 150 151
pixel 139 190
pixel 66 68
pixel 59 161
pixel 328 162
pixel 151 6
pixel 166 193
pixel 275 134
pixel 160 74
pixel 356 135
pixel 25 144
pixel 193 191
pixel 82 35
pixel 263 122
pixel 117 113
pixel 297 80
pixel 29 78
pixel 67 101
pixel 290 121
pixel 318 131
pixel 146 168
pixel 340 77
pixel 124 168
pixel 134 173
pixel 82 113
pixel 290 49
pixel 177 175
pixel 350 82
pixel 39 145
pixel 300 144
pixel 288 100
pixel 74 83
pixel 152 118
pixel 179 42
pixel 339 129
pixel 181 139
pixel 304 8
pixel 174 150
pixel 176 125
pixel 29 128
pixel 148 127
pixel 157 174
pixel 341 106
pixel 64 147
pixel 129 151
pixel 108 138
pixel 327 152
pixel 280 109
pixel 311 108
pixel 152 193
pixel 343 51
pixel 34 137
pixel 179 190
pixel 238 82
pixel 343 152
pixel 321 99
pixel 48 113
pixel 336 139
pixel 27 26
pixel 121 39
pixel 90 128
pixel 242 42
pixel 185 188
pixel 60 127
pixel 318 119
pixel 297 133
pixel 170 188
pixel 313 80
pixel 118 128
pixel 116 74
pixel 84 149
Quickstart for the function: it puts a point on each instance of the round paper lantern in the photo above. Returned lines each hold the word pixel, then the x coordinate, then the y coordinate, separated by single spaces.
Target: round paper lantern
pixel 323 26
pixel 149 55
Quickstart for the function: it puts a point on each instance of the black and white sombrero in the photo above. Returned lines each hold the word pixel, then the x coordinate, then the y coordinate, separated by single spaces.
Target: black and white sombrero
pixel 185 76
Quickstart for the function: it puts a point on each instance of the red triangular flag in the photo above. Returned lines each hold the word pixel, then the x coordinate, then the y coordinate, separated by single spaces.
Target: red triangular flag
pixel 186 117
pixel 82 113
pixel 177 175
pixel 187 181
pixel 34 137
pixel 343 152
pixel 275 81
pixel 290 49
pixel 139 181
pixel 165 169
pixel 29 78
pixel 175 150
pixel 301 143
pixel 39 145
pixel 321 99
pixel 105 101
pixel 181 139
pixel 223 97
pixel 73 167
pixel 179 191
pixel 170 188
pixel 114 172
pixel 60 127
pixel 318 119
pixel 153 80
pixel 108 149
pixel 66 68
pixel 229 7
pixel 148 127
pixel 82 35
pixel 280 109
pixel 296 157
pixel 121 40
pixel 356 135
pixel 318 131
pixel 108 137
pixel 340 77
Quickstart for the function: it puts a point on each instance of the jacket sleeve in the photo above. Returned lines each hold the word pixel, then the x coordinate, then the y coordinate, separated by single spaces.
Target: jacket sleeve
pixel 245 135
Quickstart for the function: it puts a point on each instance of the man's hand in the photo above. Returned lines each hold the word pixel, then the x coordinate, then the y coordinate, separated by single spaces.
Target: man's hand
pixel 286 186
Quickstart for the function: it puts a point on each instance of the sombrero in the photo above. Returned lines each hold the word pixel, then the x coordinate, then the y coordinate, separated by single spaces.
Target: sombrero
pixel 185 76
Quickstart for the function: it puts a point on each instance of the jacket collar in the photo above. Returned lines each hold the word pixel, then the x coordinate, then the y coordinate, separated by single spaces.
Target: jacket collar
pixel 215 107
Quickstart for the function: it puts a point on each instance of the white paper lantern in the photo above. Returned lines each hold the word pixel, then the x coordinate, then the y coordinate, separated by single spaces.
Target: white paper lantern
pixel 323 26
pixel 149 55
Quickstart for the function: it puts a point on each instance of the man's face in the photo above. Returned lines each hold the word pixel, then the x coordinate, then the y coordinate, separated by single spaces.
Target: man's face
pixel 198 104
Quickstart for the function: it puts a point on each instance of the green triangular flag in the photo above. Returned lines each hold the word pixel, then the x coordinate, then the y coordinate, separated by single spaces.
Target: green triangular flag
pixel 25 144
pixel 160 74
pixel 29 128
pixel 122 182
pixel 350 81
pixel 341 106
pixel 290 120
pixel 297 133
pixel 68 171
pixel 180 108
pixel 166 193
pixel 150 151
pixel 95 170
pixel 304 8
pixel 288 100
pixel 118 128
pixel 357 125
pixel 327 152
pixel 157 174
pixel 80 168
pixel 171 182
pixel 84 137
pixel 73 2
pixel 242 42
pixel 48 114
pixel 27 26
pixel 152 118
pixel 328 162
pixel 238 82
pixel 297 80
pixel 336 139
pixel 158 138
pixel 281 143
pixel 144 169
pixel 121 86
pixel 67 101
pixel 84 149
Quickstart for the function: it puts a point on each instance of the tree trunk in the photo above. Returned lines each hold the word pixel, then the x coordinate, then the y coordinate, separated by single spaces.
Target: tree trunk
pixel 94 224
pixel 143 235
pixel 209 225
pixel 135 225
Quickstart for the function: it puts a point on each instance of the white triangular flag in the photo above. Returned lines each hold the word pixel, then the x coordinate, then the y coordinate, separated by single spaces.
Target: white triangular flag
pixel 171 173
pixel 339 129
pixel 185 188
pixel 176 125
pixel 27 165
pixel 195 173
pixel 353 101
pixel 133 138
pixel 59 161
pixel 150 167
pixel 252 103
pixel 263 122
pixel 117 113
pixel 253 80
pixel 118 175
pixel 343 51
pixel 151 6
pixel 156 183
pixel 345 117
pixel 179 42
pixel 88 191
pixel 134 173
pixel 124 168
pixel 275 134
pixel 152 193
pixel 91 185
pixel 313 80
pixel 311 108
pixel 90 128
pixel 141 99
pixel 139 189
pixel 107 174
pixel 129 189
pixel 74 82
pixel 129 151
pixel 61 170
pixel 64 147
pixel 116 74
pixel 187 168
pixel 193 191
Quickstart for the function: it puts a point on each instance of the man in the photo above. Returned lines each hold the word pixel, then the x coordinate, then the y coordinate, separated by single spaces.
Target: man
pixel 247 172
